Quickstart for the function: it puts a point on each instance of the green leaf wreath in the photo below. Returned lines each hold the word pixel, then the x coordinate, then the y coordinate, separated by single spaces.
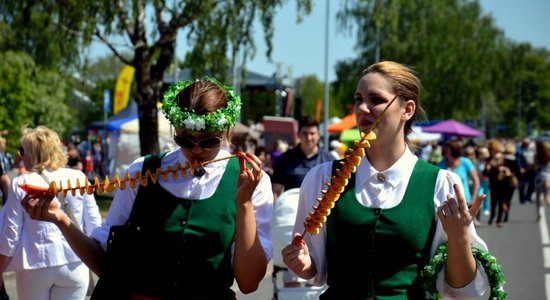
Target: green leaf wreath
pixel 492 268
pixel 219 120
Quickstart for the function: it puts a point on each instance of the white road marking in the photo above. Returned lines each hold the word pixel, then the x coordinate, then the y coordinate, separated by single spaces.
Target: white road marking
pixel 545 249
pixel 543 228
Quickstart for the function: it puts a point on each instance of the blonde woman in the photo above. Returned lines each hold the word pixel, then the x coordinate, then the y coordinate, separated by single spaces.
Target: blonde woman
pixel 45 265
pixel 394 213
pixel 188 237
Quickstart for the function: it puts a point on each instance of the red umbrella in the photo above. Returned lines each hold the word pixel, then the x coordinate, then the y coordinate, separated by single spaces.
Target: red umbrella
pixel 452 127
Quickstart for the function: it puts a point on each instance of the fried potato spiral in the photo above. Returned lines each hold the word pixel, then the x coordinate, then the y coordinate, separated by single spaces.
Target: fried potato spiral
pixel 337 185
pixel 109 185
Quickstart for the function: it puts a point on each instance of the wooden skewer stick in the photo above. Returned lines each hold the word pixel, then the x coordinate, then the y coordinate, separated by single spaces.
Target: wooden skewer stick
pixel 109 185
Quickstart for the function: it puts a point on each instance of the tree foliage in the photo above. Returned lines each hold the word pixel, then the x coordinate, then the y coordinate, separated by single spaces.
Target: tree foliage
pixel 462 58
pixel 93 78
pixel 149 28
pixel 34 28
pixel 260 103
pixel 31 95
pixel 523 90
pixel 311 90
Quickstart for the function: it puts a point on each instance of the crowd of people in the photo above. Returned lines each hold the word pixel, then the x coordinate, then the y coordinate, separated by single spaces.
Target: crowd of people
pixel 194 232
pixel 499 168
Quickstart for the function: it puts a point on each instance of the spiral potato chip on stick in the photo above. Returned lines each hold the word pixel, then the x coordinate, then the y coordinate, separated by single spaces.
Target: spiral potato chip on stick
pixel 110 185
pixel 316 218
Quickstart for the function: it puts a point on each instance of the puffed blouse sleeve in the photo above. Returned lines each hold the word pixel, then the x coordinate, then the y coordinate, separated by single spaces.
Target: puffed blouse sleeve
pixel 310 190
pixel 120 208
pixel 480 285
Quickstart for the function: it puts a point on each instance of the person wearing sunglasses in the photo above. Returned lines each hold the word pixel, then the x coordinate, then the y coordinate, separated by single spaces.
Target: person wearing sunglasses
pixel 188 237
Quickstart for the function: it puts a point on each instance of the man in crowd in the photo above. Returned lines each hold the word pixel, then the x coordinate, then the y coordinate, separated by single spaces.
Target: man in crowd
pixel 292 166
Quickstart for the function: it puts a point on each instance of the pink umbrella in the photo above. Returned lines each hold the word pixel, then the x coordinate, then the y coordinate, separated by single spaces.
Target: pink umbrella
pixel 452 127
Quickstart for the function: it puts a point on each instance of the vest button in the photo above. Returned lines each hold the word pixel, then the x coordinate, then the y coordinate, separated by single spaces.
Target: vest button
pixel 183 222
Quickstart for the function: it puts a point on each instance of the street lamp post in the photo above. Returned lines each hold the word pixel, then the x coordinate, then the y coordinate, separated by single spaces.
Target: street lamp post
pixel 326 76
pixel 519 111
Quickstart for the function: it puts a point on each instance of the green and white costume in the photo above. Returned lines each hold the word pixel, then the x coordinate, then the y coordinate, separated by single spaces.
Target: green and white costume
pixel 383 226
pixel 185 229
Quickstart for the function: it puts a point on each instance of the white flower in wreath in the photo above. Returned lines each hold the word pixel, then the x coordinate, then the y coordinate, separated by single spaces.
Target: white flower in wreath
pixel 200 124
pixel 222 121
pixel 189 123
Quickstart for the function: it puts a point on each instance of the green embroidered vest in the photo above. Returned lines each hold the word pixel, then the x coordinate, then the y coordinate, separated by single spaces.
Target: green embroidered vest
pixel 175 248
pixel 387 247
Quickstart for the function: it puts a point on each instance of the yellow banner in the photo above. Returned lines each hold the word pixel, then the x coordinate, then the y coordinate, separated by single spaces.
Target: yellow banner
pixel 122 88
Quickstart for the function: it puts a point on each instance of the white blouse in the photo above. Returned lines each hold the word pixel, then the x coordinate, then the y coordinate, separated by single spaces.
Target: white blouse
pixel 190 187
pixel 384 194
pixel 34 244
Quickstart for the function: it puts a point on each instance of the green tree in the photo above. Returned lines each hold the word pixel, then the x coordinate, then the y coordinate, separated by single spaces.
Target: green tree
pixel 31 95
pixel 343 89
pixel 450 43
pixel 469 69
pixel 93 79
pixel 260 103
pixel 311 90
pixel 104 68
pixel 213 29
pixel 523 90
pixel 28 26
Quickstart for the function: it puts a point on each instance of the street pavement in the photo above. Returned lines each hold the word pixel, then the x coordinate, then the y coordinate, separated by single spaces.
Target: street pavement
pixel 521 246
pixel 523 249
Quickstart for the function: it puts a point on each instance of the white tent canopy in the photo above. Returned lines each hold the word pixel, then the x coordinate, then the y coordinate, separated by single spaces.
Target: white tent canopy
pixel 128 144
pixel 418 136
pixel 133 126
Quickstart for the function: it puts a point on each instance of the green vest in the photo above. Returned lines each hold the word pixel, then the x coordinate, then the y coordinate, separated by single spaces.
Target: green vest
pixel 175 248
pixel 387 247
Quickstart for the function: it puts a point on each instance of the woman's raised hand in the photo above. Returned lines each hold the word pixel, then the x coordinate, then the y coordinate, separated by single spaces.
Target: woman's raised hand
pixel 249 177
pixel 456 216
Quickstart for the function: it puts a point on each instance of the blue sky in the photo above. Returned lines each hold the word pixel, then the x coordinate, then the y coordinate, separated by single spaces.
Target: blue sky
pixel 301 47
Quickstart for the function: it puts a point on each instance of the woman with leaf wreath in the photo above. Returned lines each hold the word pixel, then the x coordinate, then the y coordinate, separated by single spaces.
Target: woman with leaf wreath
pixel 183 237
pixel 390 220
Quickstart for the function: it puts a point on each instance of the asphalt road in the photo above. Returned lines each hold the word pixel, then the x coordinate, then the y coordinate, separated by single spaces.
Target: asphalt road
pixel 521 245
